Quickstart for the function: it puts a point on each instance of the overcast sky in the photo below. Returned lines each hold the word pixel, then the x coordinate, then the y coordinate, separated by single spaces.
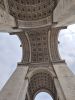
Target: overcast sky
pixel 11 53
pixel 67 46
pixel 43 96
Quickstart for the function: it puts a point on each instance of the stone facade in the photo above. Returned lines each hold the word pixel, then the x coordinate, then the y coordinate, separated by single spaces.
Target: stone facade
pixel 37 24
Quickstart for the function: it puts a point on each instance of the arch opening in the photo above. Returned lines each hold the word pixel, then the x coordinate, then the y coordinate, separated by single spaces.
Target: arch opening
pixel 43 96
pixel 66 46
pixel 41 82
pixel 10 55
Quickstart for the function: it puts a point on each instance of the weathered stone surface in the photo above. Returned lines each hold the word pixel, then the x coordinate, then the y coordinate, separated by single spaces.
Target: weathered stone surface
pixel 6 20
pixel 34 21
pixel 64 13
pixel 66 80
pixel 16 85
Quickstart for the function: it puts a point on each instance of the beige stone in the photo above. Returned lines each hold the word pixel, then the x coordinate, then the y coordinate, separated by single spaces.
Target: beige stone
pixel 37 24
pixel 15 85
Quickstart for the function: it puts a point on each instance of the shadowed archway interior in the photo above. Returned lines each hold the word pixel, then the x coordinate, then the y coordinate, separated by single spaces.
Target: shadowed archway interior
pixel 41 82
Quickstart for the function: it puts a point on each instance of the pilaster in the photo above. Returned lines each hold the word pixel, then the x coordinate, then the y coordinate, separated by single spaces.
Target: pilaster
pixel 64 13
pixel 15 88
pixel 66 80
pixel 53 43
pixel 60 93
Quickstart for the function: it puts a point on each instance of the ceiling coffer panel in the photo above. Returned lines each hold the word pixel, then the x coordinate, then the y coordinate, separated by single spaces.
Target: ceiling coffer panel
pixel 29 10
pixel 39 47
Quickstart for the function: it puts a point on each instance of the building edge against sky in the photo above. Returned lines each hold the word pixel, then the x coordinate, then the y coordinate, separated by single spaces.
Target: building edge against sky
pixel 13 41
pixel 37 23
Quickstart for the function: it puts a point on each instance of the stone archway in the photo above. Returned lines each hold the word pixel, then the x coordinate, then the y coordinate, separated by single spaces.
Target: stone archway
pixel 41 81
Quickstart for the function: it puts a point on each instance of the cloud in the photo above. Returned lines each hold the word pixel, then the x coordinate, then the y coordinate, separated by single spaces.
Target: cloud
pixel 10 54
pixel 67 47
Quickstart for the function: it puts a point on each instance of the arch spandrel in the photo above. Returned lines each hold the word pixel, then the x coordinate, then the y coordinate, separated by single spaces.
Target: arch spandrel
pixel 25 47
pixel 53 44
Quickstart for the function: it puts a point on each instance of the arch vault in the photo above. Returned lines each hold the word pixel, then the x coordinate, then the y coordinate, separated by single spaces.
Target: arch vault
pixel 37 24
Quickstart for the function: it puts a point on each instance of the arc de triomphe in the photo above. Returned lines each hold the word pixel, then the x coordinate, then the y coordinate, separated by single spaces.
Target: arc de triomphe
pixel 37 23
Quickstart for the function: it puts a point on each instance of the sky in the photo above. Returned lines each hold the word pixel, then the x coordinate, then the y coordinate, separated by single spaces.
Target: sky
pixel 43 96
pixel 67 46
pixel 11 53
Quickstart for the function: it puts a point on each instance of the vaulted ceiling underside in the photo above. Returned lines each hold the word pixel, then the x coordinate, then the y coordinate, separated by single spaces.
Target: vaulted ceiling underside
pixel 29 10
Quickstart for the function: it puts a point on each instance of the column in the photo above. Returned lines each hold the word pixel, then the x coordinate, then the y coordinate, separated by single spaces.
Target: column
pixel 60 93
pixel 64 13
pixel 23 91
pixel 16 87
pixel 28 96
pixel 53 43
pixel 66 80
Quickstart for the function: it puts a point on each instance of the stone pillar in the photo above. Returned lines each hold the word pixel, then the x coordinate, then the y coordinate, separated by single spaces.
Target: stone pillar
pixel 16 87
pixel 53 43
pixel 66 80
pixel 23 91
pixel 60 94
pixel 28 96
pixel 64 13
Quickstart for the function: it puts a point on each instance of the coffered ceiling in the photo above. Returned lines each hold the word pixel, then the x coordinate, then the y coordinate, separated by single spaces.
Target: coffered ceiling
pixel 29 10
